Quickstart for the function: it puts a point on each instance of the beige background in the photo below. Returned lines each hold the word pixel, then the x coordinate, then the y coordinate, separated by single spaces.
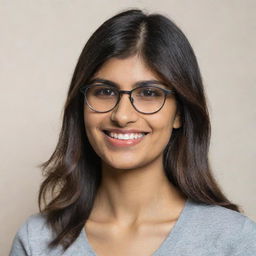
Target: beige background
pixel 39 47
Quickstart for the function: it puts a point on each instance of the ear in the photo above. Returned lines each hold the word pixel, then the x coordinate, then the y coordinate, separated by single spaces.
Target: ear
pixel 177 121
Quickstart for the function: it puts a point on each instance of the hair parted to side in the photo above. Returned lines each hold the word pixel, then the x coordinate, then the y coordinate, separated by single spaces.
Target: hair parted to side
pixel 73 172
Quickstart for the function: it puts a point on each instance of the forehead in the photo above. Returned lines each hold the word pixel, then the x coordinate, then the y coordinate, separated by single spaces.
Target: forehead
pixel 127 73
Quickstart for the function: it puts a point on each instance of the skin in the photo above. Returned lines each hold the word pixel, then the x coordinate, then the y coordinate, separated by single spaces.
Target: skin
pixel 136 206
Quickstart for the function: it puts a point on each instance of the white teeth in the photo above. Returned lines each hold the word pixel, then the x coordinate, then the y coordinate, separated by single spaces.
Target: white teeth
pixel 126 136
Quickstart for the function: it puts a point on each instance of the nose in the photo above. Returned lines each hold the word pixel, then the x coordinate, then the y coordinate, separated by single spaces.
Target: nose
pixel 124 112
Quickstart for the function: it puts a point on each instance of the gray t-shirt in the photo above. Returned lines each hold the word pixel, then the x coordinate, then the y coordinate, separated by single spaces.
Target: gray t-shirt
pixel 201 230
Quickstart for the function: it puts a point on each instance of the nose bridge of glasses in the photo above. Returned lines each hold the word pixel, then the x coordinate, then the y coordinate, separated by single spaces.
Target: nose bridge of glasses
pixel 123 106
pixel 121 92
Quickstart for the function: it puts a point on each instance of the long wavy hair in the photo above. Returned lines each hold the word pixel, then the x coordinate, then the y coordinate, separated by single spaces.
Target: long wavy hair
pixel 72 175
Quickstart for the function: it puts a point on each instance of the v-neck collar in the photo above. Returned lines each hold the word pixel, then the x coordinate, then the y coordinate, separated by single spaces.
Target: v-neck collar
pixel 175 232
pixel 170 239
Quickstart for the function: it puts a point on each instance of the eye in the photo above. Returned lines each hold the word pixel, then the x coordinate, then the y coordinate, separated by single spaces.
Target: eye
pixel 149 92
pixel 103 91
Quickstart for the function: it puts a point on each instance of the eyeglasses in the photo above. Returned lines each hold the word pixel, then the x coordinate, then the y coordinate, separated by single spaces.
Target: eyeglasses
pixel 146 99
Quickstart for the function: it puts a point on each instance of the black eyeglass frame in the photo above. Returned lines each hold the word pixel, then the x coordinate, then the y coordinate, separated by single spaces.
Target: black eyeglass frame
pixel 120 92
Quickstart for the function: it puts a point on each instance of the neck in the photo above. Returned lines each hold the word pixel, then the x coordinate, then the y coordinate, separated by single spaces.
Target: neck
pixel 135 196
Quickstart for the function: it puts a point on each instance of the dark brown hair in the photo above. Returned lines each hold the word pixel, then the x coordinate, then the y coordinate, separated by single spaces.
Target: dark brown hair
pixel 73 172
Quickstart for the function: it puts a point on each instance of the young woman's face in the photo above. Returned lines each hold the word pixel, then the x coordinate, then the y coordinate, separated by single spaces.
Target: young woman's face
pixel 127 154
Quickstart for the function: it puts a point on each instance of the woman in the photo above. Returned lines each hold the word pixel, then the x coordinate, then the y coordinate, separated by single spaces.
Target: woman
pixel 130 173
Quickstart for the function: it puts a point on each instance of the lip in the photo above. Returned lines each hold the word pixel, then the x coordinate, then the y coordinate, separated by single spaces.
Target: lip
pixel 113 142
pixel 125 130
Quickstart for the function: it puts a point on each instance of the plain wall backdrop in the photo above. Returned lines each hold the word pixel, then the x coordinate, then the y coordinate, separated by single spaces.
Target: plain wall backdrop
pixel 39 47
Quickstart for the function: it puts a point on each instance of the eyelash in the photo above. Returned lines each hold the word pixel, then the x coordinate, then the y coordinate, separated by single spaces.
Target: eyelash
pixel 151 90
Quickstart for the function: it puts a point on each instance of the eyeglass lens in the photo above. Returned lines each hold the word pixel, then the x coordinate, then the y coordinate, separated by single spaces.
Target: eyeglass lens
pixel 103 98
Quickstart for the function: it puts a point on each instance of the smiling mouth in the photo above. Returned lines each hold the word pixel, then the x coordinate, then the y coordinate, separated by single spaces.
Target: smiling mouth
pixel 125 136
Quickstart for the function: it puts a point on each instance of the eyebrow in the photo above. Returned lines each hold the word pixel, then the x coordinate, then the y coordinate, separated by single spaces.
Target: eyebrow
pixel 138 83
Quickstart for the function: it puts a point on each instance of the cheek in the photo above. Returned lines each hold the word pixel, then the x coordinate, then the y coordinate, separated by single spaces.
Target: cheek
pixel 91 133
pixel 164 119
pixel 162 126
pixel 91 119
pixel 91 124
pixel 163 130
pixel 87 124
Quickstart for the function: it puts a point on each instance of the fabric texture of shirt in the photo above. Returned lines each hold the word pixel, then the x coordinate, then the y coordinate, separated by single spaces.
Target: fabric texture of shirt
pixel 201 230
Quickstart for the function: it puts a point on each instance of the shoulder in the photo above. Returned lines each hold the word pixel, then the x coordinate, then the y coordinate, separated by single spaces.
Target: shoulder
pixel 35 222
pixel 36 226
pixel 226 228
pixel 32 236
pixel 215 213
pixel 220 217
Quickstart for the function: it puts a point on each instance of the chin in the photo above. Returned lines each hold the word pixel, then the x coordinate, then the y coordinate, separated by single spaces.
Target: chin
pixel 122 165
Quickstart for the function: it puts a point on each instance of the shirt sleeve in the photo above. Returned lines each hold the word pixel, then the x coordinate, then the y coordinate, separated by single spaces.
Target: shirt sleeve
pixel 246 244
pixel 20 244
